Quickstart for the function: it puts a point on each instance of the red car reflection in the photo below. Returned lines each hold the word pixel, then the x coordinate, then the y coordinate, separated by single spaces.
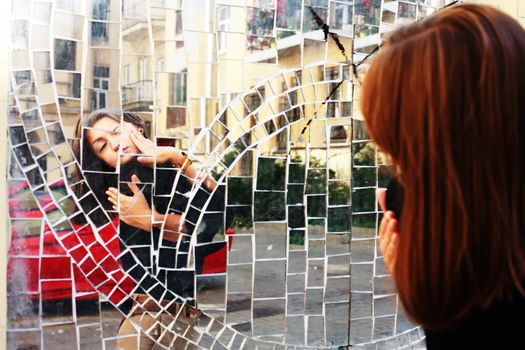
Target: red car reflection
pixel 40 267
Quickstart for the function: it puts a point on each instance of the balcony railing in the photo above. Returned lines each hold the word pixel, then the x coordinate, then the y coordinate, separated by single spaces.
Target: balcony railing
pixel 140 92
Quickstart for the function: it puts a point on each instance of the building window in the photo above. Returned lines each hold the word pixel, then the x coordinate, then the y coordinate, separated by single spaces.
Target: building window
pixel 160 65
pixel 143 69
pixel 247 159
pixel 331 109
pixel 127 74
pixel 176 117
pixel 102 72
pixel 284 102
pixel 282 138
pixel 253 101
pixel 332 74
pixel 407 11
pixel 100 9
pixel 295 113
pixel 99 31
pixel 289 14
pixel 178 88
pixel 100 87
pixel 65 54
pixel 67 5
pixel 178 23
pixel 223 25
pixel 338 134
pixel 341 16
pixel 75 86
pixel 225 98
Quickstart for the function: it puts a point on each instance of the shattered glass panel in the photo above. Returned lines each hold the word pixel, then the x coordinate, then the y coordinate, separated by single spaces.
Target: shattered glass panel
pixel 196 174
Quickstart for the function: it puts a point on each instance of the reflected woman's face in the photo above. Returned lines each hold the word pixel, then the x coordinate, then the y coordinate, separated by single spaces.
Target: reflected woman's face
pixel 109 139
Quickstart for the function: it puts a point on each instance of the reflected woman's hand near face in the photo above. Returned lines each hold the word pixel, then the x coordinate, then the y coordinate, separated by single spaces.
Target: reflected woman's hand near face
pixel 389 240
pixel 134 210
pixel 151 153
pixel 165 154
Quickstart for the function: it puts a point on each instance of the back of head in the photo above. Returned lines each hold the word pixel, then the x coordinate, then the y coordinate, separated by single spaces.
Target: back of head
pixel 445 98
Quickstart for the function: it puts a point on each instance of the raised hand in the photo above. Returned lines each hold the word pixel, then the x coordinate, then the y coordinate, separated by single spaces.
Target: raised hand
pixel 151 153
pixel 388 233
pixel 144 145
pixel 133 210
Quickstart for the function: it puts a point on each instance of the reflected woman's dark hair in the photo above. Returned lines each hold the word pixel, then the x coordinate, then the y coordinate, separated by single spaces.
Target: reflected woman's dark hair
pixel 83 150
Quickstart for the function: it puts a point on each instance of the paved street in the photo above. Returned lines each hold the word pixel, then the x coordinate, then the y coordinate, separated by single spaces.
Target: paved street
pixel 260 295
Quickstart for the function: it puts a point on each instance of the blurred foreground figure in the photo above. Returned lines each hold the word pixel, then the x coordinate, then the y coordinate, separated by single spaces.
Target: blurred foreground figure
pixel 445 100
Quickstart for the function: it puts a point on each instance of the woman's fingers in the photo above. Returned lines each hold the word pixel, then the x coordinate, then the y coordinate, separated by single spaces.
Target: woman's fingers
pixel 112 191
pixel 389 239
pixel 133 206
pixel 383 240
pixel 137 142
pixel 387 216
pixel 142 143
pixel 391 253
pixel 112 200
pixel 133 184
pixel 112 196
pixel 135 138
pixel 148 161
pixel 392 225
pixel 392 248
pixel 385 231
pixel 116 198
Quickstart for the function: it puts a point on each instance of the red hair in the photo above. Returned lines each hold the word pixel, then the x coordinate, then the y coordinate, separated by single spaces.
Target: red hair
pixel 445 98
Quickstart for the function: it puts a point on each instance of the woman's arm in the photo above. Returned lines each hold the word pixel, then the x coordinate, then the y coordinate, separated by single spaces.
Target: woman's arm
pixel 180 159
pixel 173 225
pixel 163 154
pixel 135 211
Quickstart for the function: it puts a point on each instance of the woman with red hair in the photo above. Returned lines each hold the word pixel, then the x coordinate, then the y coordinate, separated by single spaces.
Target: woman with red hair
pixel 445 100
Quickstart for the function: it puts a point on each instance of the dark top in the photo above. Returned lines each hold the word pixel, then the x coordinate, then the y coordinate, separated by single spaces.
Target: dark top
pixel 501 326
pixel 171 269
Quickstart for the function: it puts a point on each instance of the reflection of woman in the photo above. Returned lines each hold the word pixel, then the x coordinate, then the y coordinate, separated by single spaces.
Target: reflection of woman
pixel 445 99
pixel 113 140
